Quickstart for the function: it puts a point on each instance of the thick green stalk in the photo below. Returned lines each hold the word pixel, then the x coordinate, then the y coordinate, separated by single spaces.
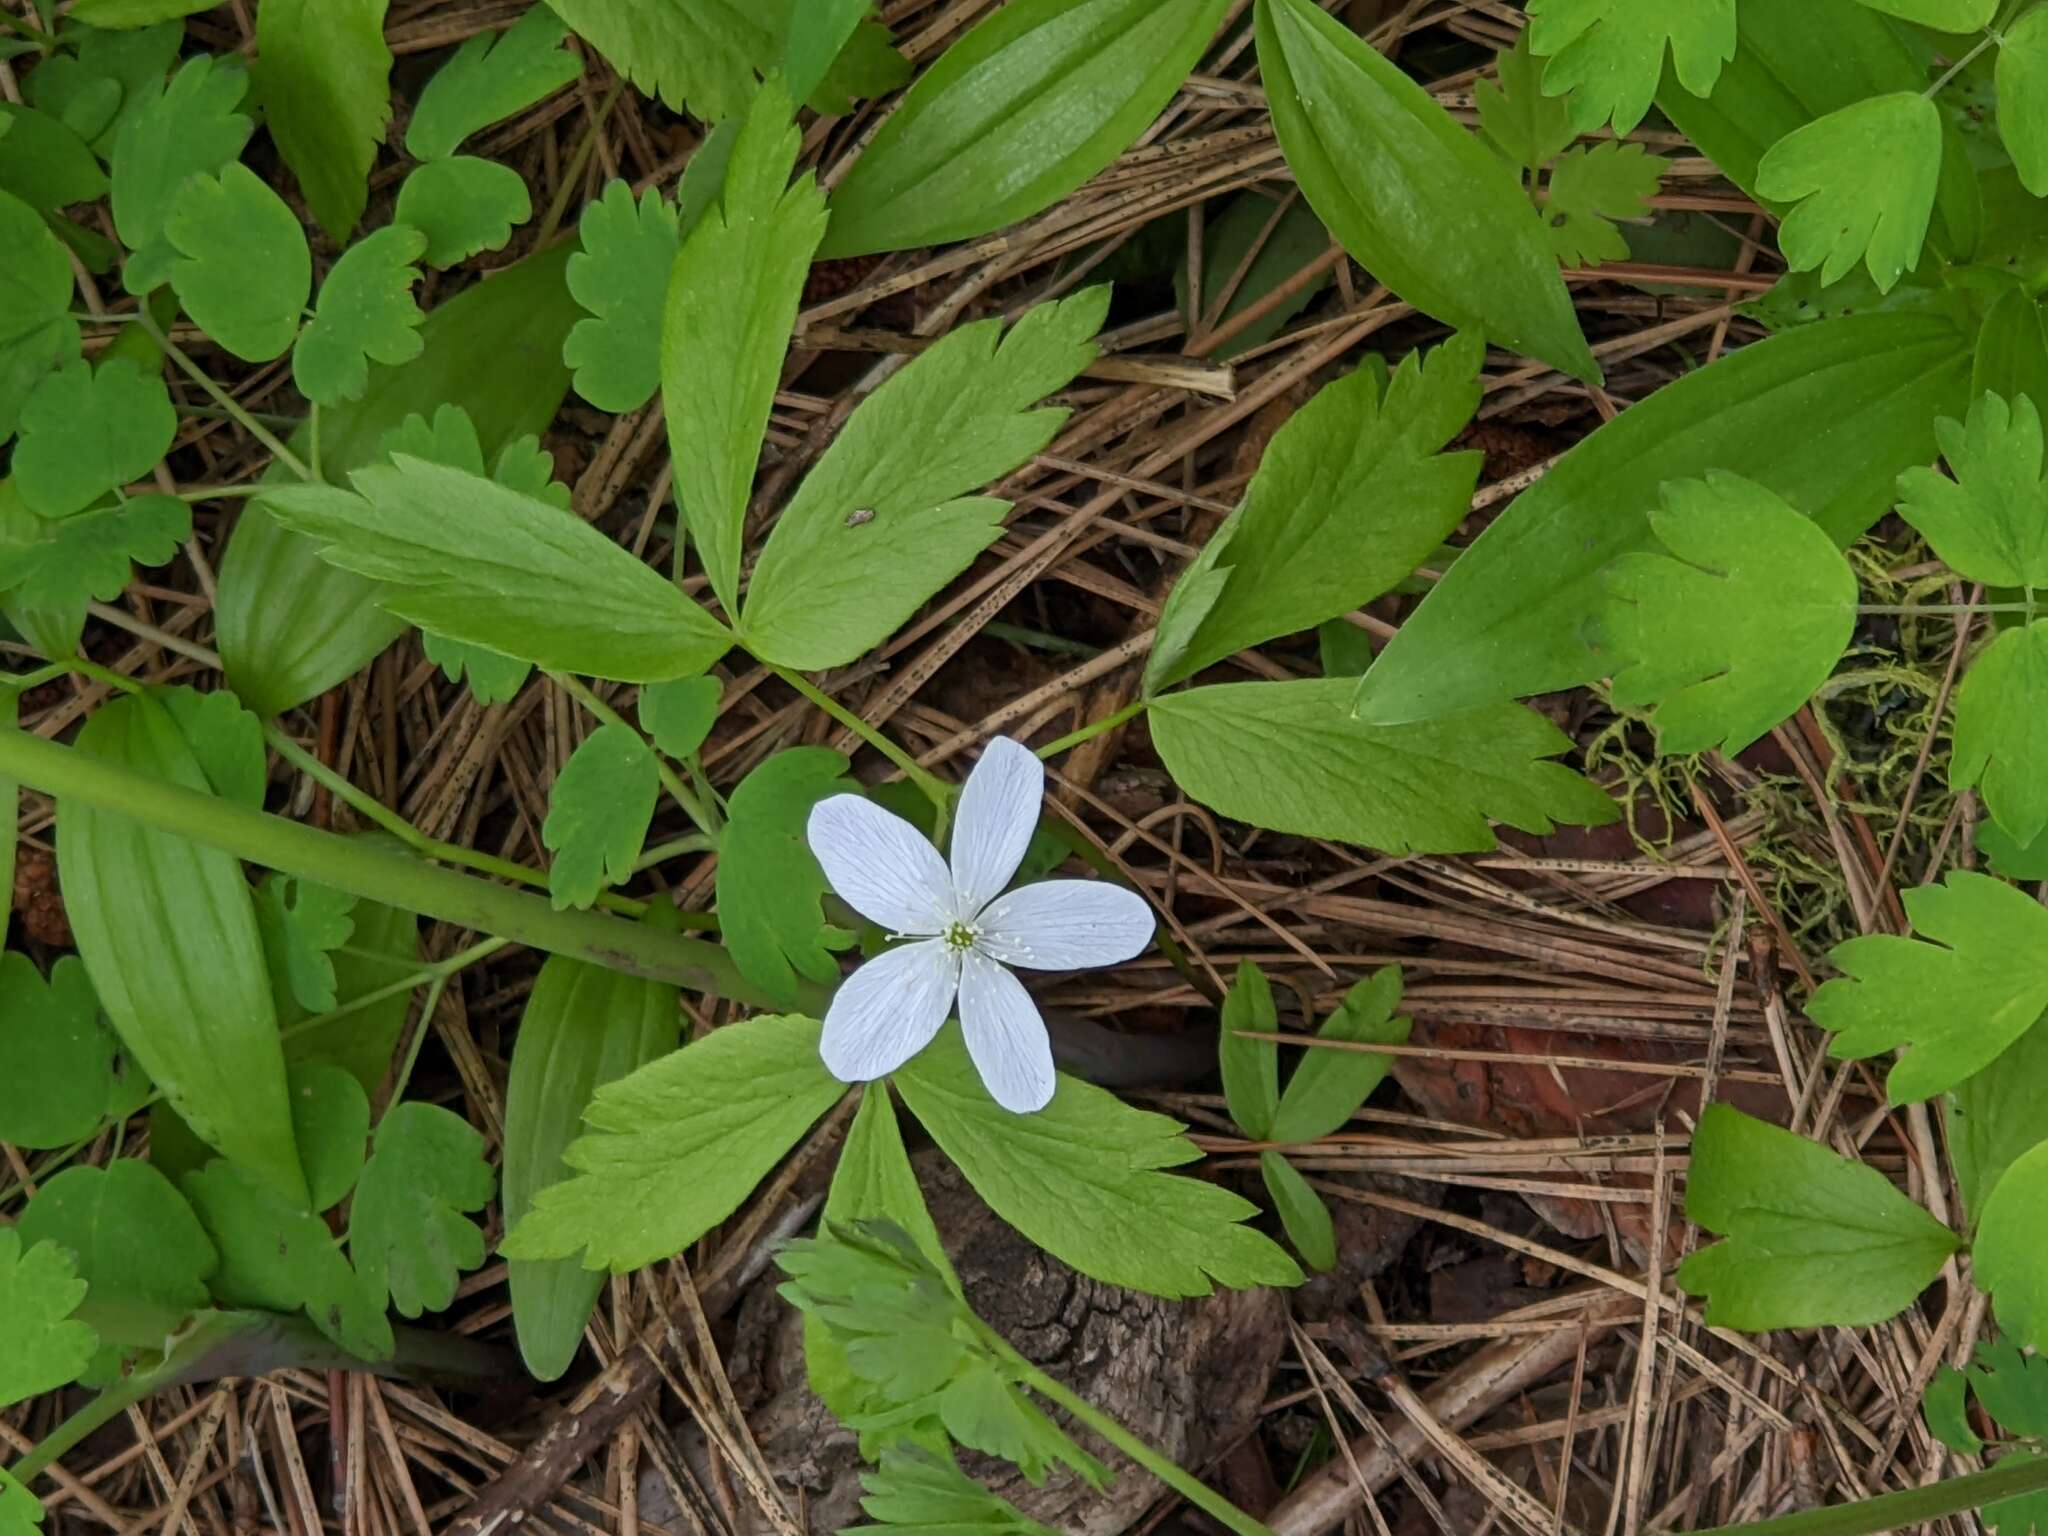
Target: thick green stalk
pixel 1908 1507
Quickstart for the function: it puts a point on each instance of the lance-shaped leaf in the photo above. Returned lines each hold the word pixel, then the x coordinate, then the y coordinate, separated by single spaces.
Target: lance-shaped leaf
pixel 407 1232
pixel 1329 1085
pixel 366 313
pixel 732 299
pixel 1301 1210
pixel 769 882
pixel 1735 628
pixel 244 272
pixel 1251 1068
pixel 491 77
pixel 41 1345
pixel 37 332
pixel 1994 1117
pixel 87 431
pixel 1609 54
pixel 478 561
pixel 1990 521
pixel 325 72
pixel 190 128
pixel 598 811
pixel 2001 730
pixel 1951 1005
pixel 621 277
pixel 1864 178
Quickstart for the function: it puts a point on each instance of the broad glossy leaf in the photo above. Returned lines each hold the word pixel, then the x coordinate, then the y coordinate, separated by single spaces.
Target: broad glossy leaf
pixel 1301 1209
pixel 324 74
pixel 41 1345
pixel 1589 189
pixel 1952 1005
pixel 598 812
pixel 1441 221
pixel 1995 1116
pixel 1864 179
pixel 1527 126
pixel 45 163
pixel 732 299
pixel 37 332
pixel 1812 1239
pixel 491 77
pixel 1826 416
pixel 621 277
pixel 2001 730
pixel 583 1027
pixel 1292 757
pixel 675 1147
pixel 87 431
pixel 2010 1257
pixel 1328 1086
pixel 56 1058
pixel 769 881
pixel 168 933
pixel 1083 1174
pixel 829 586
pixel 1733 629
pixel 245 274
pixel 1036 98
pixel 366 313
pixel 480 562
pixel 2023 99
pixel 407 1230
pixel 1350 495
pixel 189 129
pixel 1251 1068
pixel 136 1243
pixel 698 57
pixel 1609 54
pixel 1988 517
pixel 463 205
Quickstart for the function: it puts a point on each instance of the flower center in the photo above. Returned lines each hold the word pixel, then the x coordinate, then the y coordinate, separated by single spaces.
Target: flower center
pixel 959 937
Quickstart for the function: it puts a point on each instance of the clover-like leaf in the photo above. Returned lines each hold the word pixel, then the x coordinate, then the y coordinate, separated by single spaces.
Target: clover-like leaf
pixel 86 431
pixel 1732 630
pixel 1591 188
pixel 86 557
pixel 2013 1387
pixel 1864 179
pixel 2001 730
pixel 407 1231
pixel 621 276
pixel 463 205
pixel 245 274
pixel 303 922
pixel 366 313
pixel 189 129
pixel 1988 517
pixel 45 162
pixel 598 812
pixel 1609 54
pixel 37 332
pixel 226 741
pixel 41 1345
pixel 491 77
pixel 108 78
pixel 1946 1407
pixel 56 1056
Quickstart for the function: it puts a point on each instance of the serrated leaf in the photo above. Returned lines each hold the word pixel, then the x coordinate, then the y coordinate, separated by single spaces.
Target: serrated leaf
pixel 621 276
pixel 1988 517
pixel 1953 1005
pixel 769 882
pixel 1609 54
pixel 916 1493
pixel 1292 757
pixel 1302 1212
pixel 56 1057
pixel 1328 1086
pixel 2022 79
pixel 2010 1257
pixel 1589 189
pixel 385 948
pixel 1527 126
pixel 302 922
pixel 492 678
pixel 21 1512
pixel 331 1123
pixel 1864 179
pixel 699 57
pixel 189 129
pixel 142 1253
pixel 366 313
pixel 488 565
pixel 463 205
pixel 225 739
pixel 41 1346
pixel 44 162
pixel 1735 628
pixel 324 74
pixel 1082 1175
pixel 598 813
pixel 1810 1238
pixel 676 1146
pixel 86 557
pixel 730 306
pixel 680 715
pixel 827 586
pixel 87 431
pixel 245 272
pixel 1994 1117
pixel 1351 494
pixel 407 1232
pixel 2001 730
pixel 1947 1412
pixel 1251 1068
pixel 37 332
pixel 490 78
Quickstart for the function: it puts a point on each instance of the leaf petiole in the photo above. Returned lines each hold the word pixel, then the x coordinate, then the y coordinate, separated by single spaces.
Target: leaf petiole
pixel 1092 730
pixel 222 398
pixel 681 793
pixel 933 788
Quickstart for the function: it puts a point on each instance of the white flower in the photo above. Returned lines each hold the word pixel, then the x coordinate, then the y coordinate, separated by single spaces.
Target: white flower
pixel 967 933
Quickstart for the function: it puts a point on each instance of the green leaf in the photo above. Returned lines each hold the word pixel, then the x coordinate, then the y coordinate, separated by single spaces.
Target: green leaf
pixel 86 431
pixel 1342 648
pixel 1994 1117
pixel 493 76
pixel 698 58
pixel 1734 629
pixel 189 129
pixel 2012 350
pixel 1609 54
pixel 1812 1239
pixel 302 923
pixel 1947 1414
pixel 1251 1068
pixel 1286 244
pixel 1589 189
pixel 246 274
pixel 2010 1258
pixel 868 66
pixel 598 813
pixel 1032 101
pixel 1293 758
pixel 463 205
pixel 1990 521
pixel 37 332
pixel 44 163
pixel 331 1121
pixel 1530 128
pixel 583 1027
pixel 676 1146
pixel 1301 1209
pixel 1328 1086
pixel 1954 1005
pixel 679 715
pixel 827 589
pixel 324 74
pixel 1864 178
pixel 83 102
pixel 2012 1387
pixel 730 306
pixel 1082 1175
pixel 56 1058
pixel 770 884
pixel 133 13
pixel 1351 494
pixel 280 1257
pixel 110 77
pixel 385 948
pixel 21 1512
pixel 2023 99
pixel 1476 258
pixel 2001 730
pixel 808 50
pixel 168 933
pixel 366 314
pixel 226 741
pixel 478 562
pixel 621 276
pixel 406 1230
pixel 1940 15
pixel 136 1245
pixel 1825 415
pixel 915 1491
pixel 86 556
pixel 41 1346
pixel 492 678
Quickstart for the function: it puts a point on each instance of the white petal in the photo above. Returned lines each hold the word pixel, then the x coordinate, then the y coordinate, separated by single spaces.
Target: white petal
pixel 889 1009
pixel 881 866
pixel 998 813
pixel 1066 925
pixel 1005 1036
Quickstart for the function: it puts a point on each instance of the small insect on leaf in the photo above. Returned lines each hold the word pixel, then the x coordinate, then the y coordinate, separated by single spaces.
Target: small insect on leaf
pixel 860 515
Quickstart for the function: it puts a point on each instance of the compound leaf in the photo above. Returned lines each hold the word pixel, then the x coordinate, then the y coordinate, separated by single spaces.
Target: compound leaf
pixel 366 313
pixel 491 77
pixel 324 73
pixel 37 332
pixel 87 431
pixel 598 813
pixel 1988 517
pixel 1864 178
pixel 2001 730
pixel 463 205
pixel 407 1232
pixel 2010 1258
pixel 1609 54
pixel 245 272
pixel 621 277
pixel 190 128
pixel 1589 189
pixel 769 882
pixel 42 1346
pixel 56 1057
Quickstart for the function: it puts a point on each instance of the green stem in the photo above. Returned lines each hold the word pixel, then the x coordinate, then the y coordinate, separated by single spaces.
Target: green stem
pixel 435 974
pixel 1990 39
pixel 222 398
pixel 46 40
pixel 1909 1507
pixel 934 788
pixel 1097 728
pixel 681 793
pixel 578 159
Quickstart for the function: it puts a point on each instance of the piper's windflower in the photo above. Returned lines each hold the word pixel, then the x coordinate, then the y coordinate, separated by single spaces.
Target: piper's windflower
pixel 966 933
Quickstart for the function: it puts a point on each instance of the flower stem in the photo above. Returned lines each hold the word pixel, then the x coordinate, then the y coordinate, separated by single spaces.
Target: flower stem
pixel 934 788
pixel 1094 729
